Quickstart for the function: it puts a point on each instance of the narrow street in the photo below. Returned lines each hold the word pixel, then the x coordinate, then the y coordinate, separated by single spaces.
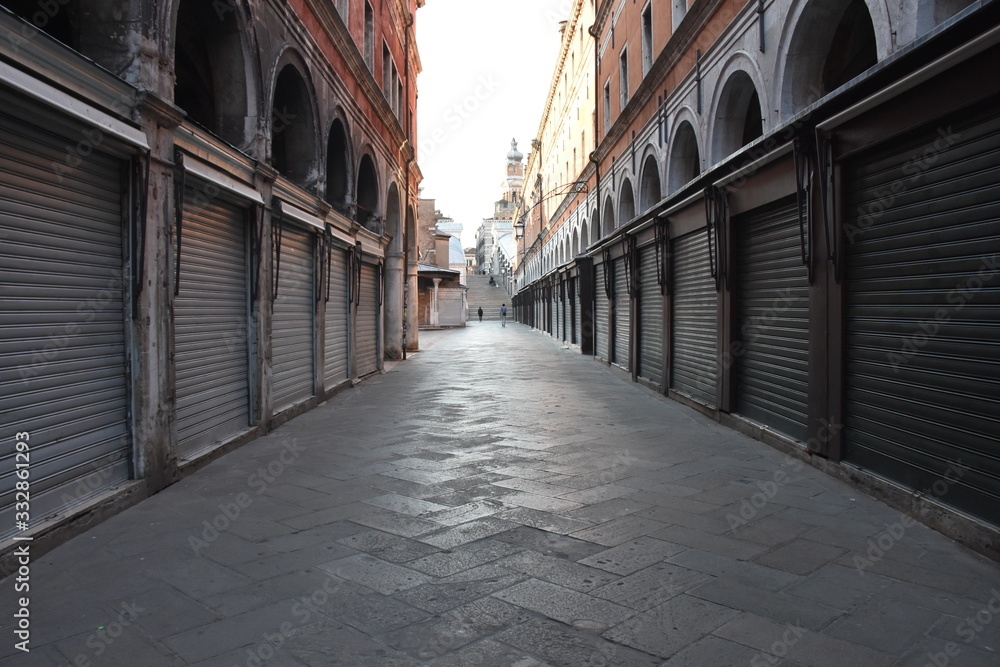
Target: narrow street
pixel 499 500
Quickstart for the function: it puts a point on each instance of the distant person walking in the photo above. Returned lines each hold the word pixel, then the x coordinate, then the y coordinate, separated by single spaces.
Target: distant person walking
pixel 503 314
pixel 480 313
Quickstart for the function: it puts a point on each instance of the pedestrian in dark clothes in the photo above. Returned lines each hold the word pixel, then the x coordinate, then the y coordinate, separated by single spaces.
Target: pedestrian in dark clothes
pixel 480 313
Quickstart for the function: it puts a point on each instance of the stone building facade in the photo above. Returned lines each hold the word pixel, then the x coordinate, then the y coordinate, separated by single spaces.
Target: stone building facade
pixel 790 224
pixel 209 221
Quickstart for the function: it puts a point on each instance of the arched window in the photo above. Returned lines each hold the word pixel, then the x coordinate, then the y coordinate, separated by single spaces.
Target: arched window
pixel 367 199
pixel 210 71
pixel 738 118
pixel 685 161
pixel 649 185
pixel 293 138
pixel 338 167
pixel 626 203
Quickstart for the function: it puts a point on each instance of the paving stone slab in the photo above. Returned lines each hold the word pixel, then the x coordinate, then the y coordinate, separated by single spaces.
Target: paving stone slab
pixel 633 555
pixel 561 645
pixel 382 576
pixel 565 605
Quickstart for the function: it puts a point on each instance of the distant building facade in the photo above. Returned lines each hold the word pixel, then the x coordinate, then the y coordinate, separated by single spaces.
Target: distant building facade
pixel 491 253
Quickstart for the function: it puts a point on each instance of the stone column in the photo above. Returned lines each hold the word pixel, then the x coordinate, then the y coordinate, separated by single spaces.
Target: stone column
pixel 435 316
pixel 394 276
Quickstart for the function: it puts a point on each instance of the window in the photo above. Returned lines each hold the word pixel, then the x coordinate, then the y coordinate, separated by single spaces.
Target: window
pixel 386 71
pixel 607 107
pixel 623 73
pixel 343 6
pixel 369 36
pixel 678 8
pixel 647 39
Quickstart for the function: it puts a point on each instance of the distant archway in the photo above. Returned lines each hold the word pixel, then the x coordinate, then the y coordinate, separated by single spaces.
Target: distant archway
pixel 685 160
pixel 293 130
pixel 738 117
pixel 626 203
pixel 608 221
pixel 338 167
pixel 649 184
pixel 367 197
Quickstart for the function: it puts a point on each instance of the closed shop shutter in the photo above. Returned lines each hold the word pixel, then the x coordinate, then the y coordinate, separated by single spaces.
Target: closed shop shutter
pixel 602 314
pixel 651 318
pixel 211 357
pixel 562 311
pixel 622 321
pixel 772 320
pixel 577 317
pixel 556 312
pixel 695 319
pixel 62 329
pixel 366 333
pixel 337 319
pixel 293 322
pixel 922 383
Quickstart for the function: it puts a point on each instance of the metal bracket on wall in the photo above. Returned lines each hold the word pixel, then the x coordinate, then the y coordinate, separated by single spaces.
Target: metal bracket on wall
pixel 805 172
pixel 717 221
pixel 328 255
pixel 179 185
pixel 356 267
pixel 140 197
pixel 824 164
pixel 609 288
pixel 760 23
pixel 631 284
pixel 277 228
pixel 661 246
pixel 257 250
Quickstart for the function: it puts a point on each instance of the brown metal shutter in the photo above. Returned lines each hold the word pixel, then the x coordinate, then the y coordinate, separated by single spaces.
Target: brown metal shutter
pixel 922 382
pixel 602 313
pixel 651 318
pixel 62 325
pixel 337 319
pixel 772 320
pixel 695 319
pixel 622 321
pixel 211 357
pixel 293 323
pixel 366 332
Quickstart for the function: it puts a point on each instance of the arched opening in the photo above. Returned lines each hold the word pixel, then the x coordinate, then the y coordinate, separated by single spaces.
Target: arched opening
pixel 567 251
pixel 649 185
pixel 61 23
pixel 685 161
pixel 367 199
pixel 210 71
pixel 575 247
pixel 595 227
pixel 626 203
pixel 338 167
pixel 293 136
pixel 608 221
pixel 833 42
pixel 392 219
pixel 584 238
pixel 738 118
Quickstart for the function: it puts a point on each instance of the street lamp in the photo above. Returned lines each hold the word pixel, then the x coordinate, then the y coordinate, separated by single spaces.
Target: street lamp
pixel 519 228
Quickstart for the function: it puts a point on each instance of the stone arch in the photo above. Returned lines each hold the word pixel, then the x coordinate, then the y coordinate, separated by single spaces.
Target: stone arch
pixel 293 125
pixel 685 157
pixel 595 227
pixel 738 118
pixel 608 221
pixel 584 237
pixel 626 202
pixel 650 192
pixel 213 79
pixel 339 174
pixel 367 195
pixel 567 249
pixel 828 43
pixel 575 248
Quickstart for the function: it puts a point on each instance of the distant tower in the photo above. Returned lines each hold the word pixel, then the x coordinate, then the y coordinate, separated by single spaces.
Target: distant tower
pixel 515 174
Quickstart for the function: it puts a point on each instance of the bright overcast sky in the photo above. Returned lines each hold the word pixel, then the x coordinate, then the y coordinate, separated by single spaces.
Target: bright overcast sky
pixel 487 65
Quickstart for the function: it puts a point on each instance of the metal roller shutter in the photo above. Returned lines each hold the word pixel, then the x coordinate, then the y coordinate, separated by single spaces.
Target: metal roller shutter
pixel 650 318
pixel 556 311
pixel 367 323
pixel 293 325
pixel 62 330
pixel 211 358
pixel 922 382
pixel 622 317
pixel 577 310
pixel 337 319
pixel 561 302
pixel 695 319
pixel 772 321
pixel 602 314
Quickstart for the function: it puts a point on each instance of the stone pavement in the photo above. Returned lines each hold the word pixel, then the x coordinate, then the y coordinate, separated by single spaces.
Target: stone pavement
pixel 498 500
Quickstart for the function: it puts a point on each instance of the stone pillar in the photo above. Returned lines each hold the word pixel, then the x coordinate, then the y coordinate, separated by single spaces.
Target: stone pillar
pixel 393 337
pixel 435 316
pixel 412 311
